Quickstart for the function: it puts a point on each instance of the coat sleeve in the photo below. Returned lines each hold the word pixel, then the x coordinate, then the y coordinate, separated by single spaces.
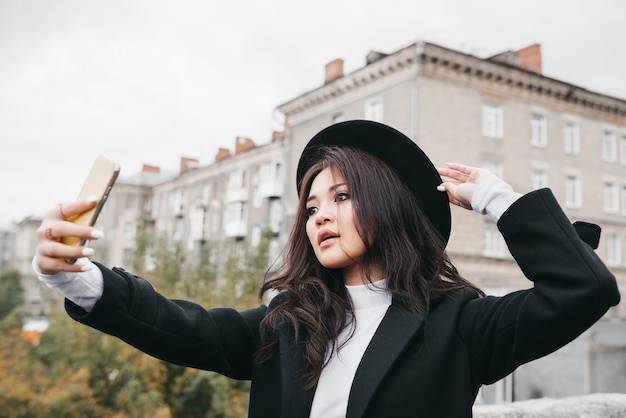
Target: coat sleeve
pixel 572 290
pixel 181 332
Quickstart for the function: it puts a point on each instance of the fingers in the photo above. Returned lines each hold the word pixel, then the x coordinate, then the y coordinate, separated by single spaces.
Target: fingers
pixel 56 230
pixel 466 169
pixel 456 172
pixel 71 209
pixel 52 256
pixel 51 253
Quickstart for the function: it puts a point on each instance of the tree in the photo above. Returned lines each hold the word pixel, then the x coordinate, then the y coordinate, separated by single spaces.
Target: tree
pixel 11 292
pixel 76 371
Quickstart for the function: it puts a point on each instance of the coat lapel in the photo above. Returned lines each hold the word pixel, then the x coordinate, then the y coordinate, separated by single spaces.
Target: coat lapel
pixel 397 329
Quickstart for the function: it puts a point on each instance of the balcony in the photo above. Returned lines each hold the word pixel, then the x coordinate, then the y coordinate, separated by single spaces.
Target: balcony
pixel 237 195
pixel 236 229
pixel 272 188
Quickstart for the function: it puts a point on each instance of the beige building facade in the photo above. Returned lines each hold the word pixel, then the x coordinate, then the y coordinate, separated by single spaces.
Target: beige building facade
pixel 236 198
pixel 501 114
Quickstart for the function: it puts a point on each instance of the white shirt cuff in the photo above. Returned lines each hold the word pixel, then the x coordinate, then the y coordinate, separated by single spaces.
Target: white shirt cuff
pixel 493 197
pixel 84 288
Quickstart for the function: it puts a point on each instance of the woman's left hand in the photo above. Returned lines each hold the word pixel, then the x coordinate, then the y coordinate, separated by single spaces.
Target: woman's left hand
pixel 460 182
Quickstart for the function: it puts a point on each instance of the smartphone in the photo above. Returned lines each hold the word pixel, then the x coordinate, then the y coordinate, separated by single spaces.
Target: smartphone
pixel 99 183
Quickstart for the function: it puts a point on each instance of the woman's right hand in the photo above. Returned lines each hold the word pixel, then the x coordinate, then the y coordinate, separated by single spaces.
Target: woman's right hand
pixel 50 253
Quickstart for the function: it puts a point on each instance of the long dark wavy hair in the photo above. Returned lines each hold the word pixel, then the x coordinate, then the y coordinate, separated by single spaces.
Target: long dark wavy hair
pixel 400 242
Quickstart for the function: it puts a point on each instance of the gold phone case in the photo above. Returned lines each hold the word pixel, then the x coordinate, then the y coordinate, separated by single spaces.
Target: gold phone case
pixel 98 183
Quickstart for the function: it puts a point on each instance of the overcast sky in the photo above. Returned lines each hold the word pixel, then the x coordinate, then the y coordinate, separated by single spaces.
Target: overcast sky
pixel 152 81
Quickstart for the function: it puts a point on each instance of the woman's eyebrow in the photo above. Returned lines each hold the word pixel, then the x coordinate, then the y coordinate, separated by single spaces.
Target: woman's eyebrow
pixel 330 189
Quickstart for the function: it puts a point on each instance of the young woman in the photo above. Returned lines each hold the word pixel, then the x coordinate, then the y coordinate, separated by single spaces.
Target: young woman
pixel 371 319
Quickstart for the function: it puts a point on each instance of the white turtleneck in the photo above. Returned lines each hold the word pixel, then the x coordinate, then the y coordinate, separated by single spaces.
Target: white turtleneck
pixel 370 304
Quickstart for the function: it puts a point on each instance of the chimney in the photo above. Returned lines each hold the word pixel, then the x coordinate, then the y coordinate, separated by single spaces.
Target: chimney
pixel 153 169
pixel 222 154
pixel 334 70
pixel 243 144
pixel 529 58
pixel 187 164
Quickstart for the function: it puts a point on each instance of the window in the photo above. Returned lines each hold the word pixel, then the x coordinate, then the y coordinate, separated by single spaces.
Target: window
pixel 131 202
pixel 236 212
pixel 623 200
pixel 237 179
pixel 538 130
pixel 273 251
pixel 177 197
pixel 539 179
pixel 130 230
pixel 276 215
pixel 493 243
pixel 571 135
pixel 492 123
pixel 609 146
pixel 255 237
pixel 573 191
pixel 270 171
pixel 622 150
pixel 610 194
pixel 613 250
pixel 374 109
pixel 196 226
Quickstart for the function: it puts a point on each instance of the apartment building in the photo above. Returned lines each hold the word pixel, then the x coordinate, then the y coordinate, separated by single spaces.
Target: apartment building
pixel 234 199
pixel 499 113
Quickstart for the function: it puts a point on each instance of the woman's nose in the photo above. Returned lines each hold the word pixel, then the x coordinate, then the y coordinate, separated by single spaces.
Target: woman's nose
pixel 323 215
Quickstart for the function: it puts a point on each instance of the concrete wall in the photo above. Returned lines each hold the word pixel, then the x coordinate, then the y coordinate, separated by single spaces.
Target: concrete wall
pixel 605 405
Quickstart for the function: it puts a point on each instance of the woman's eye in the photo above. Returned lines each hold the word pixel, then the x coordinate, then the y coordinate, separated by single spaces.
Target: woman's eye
pixel 311 210
pixel 342 196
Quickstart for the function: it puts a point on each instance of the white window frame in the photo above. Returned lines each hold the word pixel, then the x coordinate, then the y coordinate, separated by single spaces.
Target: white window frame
pixel 573 191
pixel 130 229
pixel 610 194
pixel 374 109
pixel 623 200
pixel 493 242
pixel 538 130
pixel 609 146
pixel 613 250
pixel 276 215
pixel 237 179
pixel 492 120
pixel 177 199
pixel 571 138
pixel 236 211
pixel 539 178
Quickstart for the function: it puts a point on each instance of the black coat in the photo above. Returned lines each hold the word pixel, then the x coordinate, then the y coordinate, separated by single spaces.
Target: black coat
pixel 413 367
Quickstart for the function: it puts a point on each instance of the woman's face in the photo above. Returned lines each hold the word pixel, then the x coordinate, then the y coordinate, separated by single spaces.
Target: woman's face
pixel 331 226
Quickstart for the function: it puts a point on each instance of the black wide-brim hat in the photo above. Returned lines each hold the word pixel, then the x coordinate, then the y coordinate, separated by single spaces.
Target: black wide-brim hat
pixel 393 147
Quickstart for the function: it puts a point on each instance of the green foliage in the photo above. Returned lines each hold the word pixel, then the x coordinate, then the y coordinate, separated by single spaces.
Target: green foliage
pixel 77 372
pixel 11 293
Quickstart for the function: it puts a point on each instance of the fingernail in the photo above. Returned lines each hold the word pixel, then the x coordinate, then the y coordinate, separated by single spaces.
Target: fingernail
pixel 92 199
pixel 441 188
pixel 97 234
pixel 88 251
pixel 86 267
